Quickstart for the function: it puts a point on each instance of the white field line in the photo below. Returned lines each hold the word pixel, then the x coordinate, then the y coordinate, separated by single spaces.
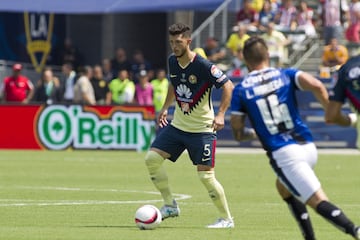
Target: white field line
pixel 342 204
pixel 342 151
pixel 71 203
pixel 33 202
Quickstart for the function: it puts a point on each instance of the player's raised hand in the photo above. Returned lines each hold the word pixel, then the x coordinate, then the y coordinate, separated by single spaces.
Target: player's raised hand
pixel 161 120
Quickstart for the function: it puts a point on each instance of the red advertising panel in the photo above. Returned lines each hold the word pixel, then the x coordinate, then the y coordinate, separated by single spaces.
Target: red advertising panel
pixel 58 127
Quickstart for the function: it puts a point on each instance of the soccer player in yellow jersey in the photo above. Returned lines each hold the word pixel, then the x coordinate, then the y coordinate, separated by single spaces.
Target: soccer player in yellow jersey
pixel 194 125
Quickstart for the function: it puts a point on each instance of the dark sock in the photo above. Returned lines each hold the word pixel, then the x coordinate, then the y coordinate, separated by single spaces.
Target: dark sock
pixel 298 210
pixel 335 216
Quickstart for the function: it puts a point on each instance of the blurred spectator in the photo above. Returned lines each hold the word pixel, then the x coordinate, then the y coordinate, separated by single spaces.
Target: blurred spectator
pixel 238 68
pixel 70 54
pixel 143 90
pixel 330 13
pixel 83 90
pixel 247 15
pixel 107 70
pixel 122 88
pixel 304 18
pixel 120 62
pixel 353 31
pixel 276 42
pixel 275 5
pixel 48 88
pixel 304 27
pixel 237 39
pixel 266 15
pixel 257 5
pixel 334 54
pixel 286 17
pixel 100 86
pixel 140 63
pixel 200 51
pixel 17 87
pixel 67 83
pixel 160 88
pixel 213 51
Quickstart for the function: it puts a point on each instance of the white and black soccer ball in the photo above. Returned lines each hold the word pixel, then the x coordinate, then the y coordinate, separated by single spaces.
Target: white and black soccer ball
pixel 148 217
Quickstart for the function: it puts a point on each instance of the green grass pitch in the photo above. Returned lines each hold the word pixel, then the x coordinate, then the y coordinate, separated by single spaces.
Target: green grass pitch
pixel 73 195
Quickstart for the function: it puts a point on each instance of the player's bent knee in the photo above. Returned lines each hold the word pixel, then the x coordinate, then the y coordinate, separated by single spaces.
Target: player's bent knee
pixel 318 197
pixel 153 161
pixel 206 176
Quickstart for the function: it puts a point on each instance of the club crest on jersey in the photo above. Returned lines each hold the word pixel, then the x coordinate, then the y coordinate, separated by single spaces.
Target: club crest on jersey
pixel 182 79
pixel 192 79
pixel 216 72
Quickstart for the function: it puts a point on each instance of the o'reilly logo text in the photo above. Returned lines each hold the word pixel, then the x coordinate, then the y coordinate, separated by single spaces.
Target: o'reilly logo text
pixel 60 127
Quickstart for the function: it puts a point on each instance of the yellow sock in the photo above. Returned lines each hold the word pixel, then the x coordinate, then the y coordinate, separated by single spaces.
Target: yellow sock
pixel 158 175
pixel 216 192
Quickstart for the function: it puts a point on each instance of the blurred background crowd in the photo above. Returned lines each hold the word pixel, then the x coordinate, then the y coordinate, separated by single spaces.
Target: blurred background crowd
pixel 126 77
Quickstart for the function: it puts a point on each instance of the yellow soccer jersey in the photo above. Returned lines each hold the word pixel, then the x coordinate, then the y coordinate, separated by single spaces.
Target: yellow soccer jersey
pixel 193 85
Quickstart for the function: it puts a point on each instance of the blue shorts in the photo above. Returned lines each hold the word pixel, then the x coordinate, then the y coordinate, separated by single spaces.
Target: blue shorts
pixel 200 146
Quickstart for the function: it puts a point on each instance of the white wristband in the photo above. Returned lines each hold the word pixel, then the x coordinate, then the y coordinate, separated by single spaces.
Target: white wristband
pixel 353 119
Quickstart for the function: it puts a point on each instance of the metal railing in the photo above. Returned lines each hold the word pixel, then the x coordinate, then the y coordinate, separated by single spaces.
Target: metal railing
pixel 299 57
pixel 209 24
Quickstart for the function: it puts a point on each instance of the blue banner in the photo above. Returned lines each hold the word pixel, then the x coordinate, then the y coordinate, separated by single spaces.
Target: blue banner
pixel 36 38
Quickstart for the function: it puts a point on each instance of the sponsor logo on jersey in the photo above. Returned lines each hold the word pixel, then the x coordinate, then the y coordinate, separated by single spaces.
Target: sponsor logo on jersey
pixel 216 72
pixel 173 75
pixel 257 77
pixel 182 79
pixel 354 72
pixel 183 90
pixel 192 79
pixel 183 97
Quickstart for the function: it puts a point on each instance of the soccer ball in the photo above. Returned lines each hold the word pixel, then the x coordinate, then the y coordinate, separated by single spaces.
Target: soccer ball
pixel 147 217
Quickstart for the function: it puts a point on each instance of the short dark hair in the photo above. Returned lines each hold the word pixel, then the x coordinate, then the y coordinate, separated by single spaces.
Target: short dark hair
pixel 68 65
pixel 85 69
pixel 180 28
pixel 255 50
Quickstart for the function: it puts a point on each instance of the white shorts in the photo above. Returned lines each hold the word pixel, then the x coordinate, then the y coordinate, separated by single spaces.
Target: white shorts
pixel 293 165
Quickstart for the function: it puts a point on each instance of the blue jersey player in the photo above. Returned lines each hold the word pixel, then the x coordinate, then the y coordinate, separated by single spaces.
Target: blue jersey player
pixel 267 96
pixel 347 87
pixel 194 125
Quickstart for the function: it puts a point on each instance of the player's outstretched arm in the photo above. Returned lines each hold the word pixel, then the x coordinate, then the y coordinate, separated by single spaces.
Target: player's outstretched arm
pixel 333 115
pixel 310 83
pixel 219 120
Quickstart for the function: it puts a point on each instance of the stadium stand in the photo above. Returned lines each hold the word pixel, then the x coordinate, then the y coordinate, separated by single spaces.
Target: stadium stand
pixel 325 136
